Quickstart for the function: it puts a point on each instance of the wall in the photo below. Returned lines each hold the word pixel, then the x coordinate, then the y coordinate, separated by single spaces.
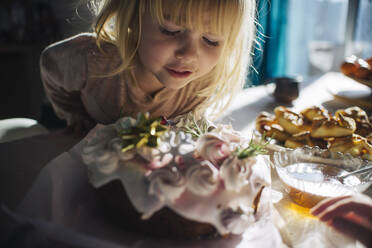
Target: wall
pixel 21 91
pixel 73 18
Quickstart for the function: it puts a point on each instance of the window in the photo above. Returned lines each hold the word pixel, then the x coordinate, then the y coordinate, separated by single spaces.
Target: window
pixel 322 32
pixel 362 44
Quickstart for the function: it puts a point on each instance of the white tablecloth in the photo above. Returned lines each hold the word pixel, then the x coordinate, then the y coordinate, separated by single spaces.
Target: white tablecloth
pixel 246 106
pixel 62 207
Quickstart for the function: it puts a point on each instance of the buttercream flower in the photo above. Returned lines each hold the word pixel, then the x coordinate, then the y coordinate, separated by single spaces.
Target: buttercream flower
pixel 155 158
pixel 227 133
pixel 202 179
pixel 94 150
pixel 167 184
pixel 107 161
pixel 218 144
pixel 236 172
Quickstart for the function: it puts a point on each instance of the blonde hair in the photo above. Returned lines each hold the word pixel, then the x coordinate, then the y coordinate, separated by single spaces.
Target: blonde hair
pixel 119 22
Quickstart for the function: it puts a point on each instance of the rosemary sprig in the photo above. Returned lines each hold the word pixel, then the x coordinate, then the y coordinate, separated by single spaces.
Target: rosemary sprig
pixel 253 149
pixel 196 128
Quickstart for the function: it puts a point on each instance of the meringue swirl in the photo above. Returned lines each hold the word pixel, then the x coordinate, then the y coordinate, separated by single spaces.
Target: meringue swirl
pixel 99 150
pixel 236 172
pixel 167 184
pixel 202 179
pixel 213 149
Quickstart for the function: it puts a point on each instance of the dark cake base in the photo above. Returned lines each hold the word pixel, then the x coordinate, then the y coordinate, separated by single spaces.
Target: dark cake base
pixel 164 223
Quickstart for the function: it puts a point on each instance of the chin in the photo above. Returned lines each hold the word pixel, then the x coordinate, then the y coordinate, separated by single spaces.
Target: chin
pixel 175 84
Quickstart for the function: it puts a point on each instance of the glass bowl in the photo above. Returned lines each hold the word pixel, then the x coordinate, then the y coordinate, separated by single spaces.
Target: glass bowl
pixel 310 175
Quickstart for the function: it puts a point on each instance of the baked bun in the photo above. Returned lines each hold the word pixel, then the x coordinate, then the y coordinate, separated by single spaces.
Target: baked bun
pixel 314 112
pixel 363 69
pixel 304 139
pixel 349 66
pixel 267 125
pixel 357 68
pixel 263 120
pixel 333 127
pixel 291 122
pixel 363 125
pixel 353 144
pixel 348 130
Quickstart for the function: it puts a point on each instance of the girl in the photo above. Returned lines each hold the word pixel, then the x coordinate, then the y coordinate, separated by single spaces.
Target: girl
pixel 165 57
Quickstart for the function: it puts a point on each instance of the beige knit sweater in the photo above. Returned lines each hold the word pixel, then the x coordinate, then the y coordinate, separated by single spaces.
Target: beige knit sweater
pixel 71 70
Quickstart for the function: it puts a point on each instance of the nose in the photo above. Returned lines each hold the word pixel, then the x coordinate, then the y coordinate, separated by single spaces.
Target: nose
pixel 188 49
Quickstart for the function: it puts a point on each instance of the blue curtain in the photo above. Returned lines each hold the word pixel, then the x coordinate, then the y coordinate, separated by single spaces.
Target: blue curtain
pixel 270 53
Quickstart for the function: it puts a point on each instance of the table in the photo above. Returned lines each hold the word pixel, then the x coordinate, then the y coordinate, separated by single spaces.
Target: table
pixel 22 160
pixel 251 101
pixel 320 92
pixel 241 115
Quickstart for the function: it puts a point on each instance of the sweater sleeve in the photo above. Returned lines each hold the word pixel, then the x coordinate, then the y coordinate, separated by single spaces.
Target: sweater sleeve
pixel 63 70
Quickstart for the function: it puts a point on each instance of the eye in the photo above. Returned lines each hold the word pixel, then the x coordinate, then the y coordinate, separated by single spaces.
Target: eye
pixel 168 32
pixel 211 43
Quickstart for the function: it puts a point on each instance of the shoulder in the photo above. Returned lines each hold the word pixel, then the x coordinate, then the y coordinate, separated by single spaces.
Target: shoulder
pixel 83 44
pixel 75 45
pixel 64 62
pixel 80 52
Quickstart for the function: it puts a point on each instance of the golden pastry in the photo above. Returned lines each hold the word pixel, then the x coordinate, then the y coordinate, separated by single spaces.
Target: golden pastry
pixel 277 132
pixel 264 119
pixel 369 61
pixel 333 127
pixel 363 125
pixel 357 68
pixel 291 122
pixel 348 130
pixel 266 124
pixel 314 112
pixel 354 144
pixel 302 139
pixel 349 66
pixel 363 69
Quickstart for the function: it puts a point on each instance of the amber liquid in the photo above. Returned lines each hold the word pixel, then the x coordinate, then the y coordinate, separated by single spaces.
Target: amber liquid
pixel 309 183
pixel 303 198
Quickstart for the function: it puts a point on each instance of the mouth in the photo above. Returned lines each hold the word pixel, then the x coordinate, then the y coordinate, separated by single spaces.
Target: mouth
pixel 178 74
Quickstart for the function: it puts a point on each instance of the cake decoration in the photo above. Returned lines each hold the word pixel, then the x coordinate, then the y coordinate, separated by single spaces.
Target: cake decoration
pixel 218 177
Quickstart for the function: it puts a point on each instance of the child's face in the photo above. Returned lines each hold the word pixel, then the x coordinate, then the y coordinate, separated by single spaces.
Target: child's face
pixel 173 56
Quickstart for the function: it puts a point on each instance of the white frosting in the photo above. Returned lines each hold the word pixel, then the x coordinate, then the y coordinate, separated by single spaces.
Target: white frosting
pixel 202 179
pixel 211 191
pixel 236 172
pixel 217 145
pixel 238 222
pixel 167 184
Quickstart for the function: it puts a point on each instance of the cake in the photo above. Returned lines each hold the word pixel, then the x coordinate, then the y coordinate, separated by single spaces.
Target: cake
pixel 178 182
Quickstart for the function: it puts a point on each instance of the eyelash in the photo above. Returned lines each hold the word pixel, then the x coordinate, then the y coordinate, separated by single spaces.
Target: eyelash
pixel 167 32
pixel 173 33
pixel 211 43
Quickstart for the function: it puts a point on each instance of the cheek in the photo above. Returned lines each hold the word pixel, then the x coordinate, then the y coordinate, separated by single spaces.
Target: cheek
pixel 154 52
pixel 208 60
